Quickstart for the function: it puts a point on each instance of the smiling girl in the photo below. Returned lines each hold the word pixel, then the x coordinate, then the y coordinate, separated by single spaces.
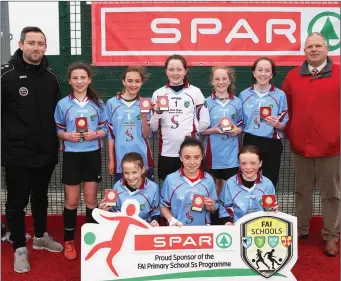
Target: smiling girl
pixel 187 114
pixel 128 127
pixel 242 193
pixel 188 195
pixel 263 131
pixel 81 150
pixel 134 185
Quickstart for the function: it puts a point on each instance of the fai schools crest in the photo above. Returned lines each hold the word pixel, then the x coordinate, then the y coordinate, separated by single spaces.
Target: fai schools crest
pixel 266 244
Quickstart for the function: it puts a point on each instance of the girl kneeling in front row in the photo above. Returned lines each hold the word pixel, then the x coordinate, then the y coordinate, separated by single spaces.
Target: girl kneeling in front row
pixel 135 185
pixel 189 195
pixel 242 193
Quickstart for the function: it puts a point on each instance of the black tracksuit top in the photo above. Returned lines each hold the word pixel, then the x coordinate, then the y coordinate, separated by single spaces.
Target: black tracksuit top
pixel 29 95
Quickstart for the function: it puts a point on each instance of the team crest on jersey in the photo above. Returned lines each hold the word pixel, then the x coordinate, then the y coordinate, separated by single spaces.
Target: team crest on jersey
pixel 92 117
pixel 186 103
pixel 175 122
pixel 129 136
pixel 190 218
pixel 262 251
pixel 23 91
pixel 142 206
pixel 138 116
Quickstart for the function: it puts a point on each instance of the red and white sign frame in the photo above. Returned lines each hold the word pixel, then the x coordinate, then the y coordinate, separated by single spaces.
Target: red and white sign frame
pixel 285 27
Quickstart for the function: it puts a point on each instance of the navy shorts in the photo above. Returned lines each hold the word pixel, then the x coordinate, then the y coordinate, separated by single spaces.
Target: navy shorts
pixel 81 167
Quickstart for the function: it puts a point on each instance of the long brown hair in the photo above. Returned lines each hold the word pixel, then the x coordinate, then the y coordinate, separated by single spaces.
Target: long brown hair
pixel 90 92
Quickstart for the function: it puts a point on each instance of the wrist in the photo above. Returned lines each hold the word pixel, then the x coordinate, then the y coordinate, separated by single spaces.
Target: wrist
pixel 96 135
pixel 66 136
pixel 169 219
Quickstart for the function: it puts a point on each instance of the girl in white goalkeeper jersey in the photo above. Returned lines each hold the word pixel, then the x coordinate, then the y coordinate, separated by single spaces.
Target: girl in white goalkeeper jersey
pixel 187 115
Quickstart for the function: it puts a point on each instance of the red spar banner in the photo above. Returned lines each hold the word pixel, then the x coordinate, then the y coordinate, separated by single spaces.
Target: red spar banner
pixel 209 33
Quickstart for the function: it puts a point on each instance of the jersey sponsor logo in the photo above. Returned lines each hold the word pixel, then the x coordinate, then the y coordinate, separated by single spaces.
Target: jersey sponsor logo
pixel 174 241
pixel 175 122
pixel 262 251
pixel 189 219
pixel 23 91
pixel 129 136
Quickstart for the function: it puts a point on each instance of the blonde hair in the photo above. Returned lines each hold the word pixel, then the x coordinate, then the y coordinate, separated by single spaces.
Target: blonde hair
pixel 231 74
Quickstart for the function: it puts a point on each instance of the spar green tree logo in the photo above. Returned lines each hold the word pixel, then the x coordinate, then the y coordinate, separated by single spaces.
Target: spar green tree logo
pixel 224 240
pixel 326 23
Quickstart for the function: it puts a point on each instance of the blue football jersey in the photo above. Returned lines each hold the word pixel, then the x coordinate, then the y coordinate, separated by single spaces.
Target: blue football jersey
pixel 68 109
pixel 177 194
pixel 243 200
pixel 148 197
pixel 125 128
pixel 276 99
pixel 221 151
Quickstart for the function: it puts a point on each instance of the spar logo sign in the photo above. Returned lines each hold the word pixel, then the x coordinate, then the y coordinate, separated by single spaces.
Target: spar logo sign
pixel 124 247
pixel 209 33
pixel 180 241
pixel 327 23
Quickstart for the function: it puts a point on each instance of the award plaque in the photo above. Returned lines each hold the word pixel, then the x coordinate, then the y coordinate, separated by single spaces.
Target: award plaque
pixel 111 197
pixel 145 105
pixel 81 124
pixel 269 202
pixel 265 111
pixel 226 124
pixel 163 103
pixel 198 202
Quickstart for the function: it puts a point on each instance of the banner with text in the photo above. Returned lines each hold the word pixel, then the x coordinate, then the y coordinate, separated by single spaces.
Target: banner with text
pixel 124 247
pixel 209 33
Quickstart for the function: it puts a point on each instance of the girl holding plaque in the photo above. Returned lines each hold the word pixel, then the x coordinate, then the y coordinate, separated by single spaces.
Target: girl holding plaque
pixel 223 105
pixel 128 125
pixel 265 114
pixel 243 193
pixel 81 124
pixel 188 196
pixel 134 185
pixel 180 110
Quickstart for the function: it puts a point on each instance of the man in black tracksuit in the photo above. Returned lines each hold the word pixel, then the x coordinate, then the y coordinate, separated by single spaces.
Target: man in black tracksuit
pixel 29 144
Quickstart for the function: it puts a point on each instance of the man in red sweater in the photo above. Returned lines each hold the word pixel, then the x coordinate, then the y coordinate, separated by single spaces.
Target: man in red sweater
pixel 313 94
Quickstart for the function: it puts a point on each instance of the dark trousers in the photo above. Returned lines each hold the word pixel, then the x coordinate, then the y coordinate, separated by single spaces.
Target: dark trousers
pixel 271 151
pixel 23 183
pixel 167 165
